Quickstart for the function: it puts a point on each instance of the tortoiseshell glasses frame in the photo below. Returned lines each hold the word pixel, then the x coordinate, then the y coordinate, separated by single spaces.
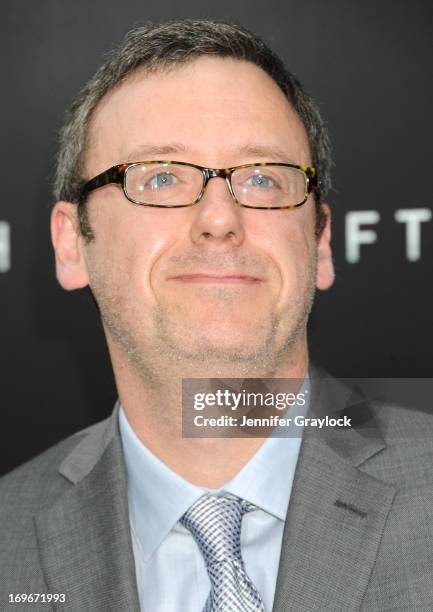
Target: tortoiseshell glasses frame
pixel 118 175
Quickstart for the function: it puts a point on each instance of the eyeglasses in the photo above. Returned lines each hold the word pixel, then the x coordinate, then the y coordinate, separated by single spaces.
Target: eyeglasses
pixel 168 184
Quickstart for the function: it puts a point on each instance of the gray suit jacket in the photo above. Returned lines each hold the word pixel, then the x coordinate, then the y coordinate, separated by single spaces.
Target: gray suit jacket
pixel 358 534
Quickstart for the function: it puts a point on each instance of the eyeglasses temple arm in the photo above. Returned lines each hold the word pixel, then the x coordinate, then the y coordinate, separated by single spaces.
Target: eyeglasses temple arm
pixel 313 183
pixel 113 175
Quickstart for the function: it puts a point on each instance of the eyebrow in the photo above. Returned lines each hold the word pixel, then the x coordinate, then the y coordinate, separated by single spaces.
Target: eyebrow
pixel 147 150
pixel 269 151
pixel 249 150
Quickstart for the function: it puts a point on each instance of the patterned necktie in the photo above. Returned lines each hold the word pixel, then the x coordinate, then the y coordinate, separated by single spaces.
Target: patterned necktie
pixel 215 524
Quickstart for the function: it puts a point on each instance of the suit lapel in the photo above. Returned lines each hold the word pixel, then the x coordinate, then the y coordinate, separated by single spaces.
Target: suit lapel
pixel 335 519
pixel 84 538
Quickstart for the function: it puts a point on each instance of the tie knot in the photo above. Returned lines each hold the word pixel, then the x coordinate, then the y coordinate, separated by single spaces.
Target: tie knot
pixel 215 524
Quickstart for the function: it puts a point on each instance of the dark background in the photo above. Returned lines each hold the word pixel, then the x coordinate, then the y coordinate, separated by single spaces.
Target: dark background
pixel 368 64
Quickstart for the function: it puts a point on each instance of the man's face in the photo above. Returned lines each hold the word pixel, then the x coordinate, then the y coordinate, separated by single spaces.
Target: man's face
pixel 215 282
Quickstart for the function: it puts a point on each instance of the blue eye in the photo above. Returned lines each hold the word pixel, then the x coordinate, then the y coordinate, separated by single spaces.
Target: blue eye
pixel 261 180
pixel 164 179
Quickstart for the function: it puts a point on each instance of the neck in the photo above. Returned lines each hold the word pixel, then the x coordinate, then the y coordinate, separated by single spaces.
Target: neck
pixel 154 411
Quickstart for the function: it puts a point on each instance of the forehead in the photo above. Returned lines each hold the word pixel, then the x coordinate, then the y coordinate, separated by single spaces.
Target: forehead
pixel 211 111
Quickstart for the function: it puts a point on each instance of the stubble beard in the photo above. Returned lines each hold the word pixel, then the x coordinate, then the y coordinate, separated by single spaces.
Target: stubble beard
pixel 165 356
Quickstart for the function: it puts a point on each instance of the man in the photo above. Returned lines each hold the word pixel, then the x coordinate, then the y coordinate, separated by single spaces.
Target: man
pixel 190 187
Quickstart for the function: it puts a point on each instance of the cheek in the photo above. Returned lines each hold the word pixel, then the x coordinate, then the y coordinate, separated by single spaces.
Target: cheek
pixel 129 245
pixel 289 241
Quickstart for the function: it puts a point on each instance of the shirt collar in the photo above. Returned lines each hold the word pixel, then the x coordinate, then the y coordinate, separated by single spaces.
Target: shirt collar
pixel 266 479
pixel 158 497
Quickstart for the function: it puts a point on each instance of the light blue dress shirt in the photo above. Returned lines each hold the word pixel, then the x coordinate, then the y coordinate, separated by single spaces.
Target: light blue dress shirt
pixel 171 574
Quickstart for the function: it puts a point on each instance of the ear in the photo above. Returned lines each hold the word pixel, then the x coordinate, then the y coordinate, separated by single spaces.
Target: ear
pixel 71 270
pixel 325 266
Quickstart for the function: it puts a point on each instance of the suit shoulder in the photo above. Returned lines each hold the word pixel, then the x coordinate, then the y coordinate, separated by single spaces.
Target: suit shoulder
pixel 402 423
pixel 406 461
pixel 38 481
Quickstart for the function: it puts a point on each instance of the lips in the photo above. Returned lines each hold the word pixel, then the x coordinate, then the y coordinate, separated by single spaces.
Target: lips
pixel 216 278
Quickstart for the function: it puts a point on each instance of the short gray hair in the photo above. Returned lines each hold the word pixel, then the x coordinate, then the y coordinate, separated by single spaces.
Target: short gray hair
pixel 159 47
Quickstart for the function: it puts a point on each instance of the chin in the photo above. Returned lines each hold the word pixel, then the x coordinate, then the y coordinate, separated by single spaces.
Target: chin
pixel 223 339
pixel 236 334
pixel 226 342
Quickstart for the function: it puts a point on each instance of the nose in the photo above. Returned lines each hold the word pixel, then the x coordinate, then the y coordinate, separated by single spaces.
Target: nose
pixel 217 217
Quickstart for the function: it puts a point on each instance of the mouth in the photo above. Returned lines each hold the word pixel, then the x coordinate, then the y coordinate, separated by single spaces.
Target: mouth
pixel 217 279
